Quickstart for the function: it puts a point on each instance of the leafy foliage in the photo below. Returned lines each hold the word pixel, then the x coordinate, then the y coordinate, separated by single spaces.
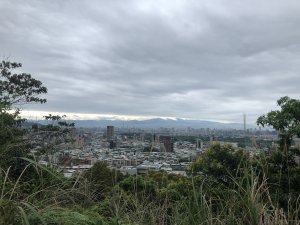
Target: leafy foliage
pixel 18 88
pixel 15 89
pixel 101 179
pixel 286 120
pixel 218 161
pixel 282 169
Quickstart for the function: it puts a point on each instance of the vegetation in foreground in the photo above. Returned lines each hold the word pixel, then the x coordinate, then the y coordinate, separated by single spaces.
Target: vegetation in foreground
pixel 224 186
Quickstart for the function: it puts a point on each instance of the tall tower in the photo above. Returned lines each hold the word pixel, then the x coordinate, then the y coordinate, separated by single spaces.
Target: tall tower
pixel 110 132
pixel 245 129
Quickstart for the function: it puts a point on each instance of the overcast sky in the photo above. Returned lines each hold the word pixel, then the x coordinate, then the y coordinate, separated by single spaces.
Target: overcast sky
pixel 199 59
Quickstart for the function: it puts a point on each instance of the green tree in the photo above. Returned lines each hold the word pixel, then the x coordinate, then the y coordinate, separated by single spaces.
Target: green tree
pixel 18 88
pixel 143 186
pixel 101 179
pixel 15 89
pixel 220 162
pixel 283 171
pixel 286 120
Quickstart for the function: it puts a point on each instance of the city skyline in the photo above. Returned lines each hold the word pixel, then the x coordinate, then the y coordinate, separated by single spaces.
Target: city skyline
pixel 204 60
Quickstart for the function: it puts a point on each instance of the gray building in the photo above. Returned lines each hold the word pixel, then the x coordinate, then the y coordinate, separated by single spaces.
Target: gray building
pixel 110 132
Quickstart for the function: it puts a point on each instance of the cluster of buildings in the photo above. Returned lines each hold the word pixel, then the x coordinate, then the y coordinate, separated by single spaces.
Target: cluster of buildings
pixel 132 152
pixel 129 154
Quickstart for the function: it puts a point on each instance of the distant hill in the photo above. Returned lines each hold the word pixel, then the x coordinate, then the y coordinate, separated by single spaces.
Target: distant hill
pixel 156 123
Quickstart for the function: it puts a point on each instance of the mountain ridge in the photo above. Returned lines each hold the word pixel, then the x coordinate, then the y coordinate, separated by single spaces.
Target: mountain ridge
pixel 155 123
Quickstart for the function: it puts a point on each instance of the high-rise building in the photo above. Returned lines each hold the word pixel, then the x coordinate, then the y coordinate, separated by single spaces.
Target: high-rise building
pixel 199 144
pixel 110 132
pixel 167 142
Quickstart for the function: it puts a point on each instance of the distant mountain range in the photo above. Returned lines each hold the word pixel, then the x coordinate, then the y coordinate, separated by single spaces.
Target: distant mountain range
pixel 156 123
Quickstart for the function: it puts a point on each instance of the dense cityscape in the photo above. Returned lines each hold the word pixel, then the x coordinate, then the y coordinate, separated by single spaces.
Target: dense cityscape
pixel 137 151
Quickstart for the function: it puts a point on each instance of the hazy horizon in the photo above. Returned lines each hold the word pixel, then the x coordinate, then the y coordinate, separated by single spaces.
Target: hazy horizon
pixel 39 115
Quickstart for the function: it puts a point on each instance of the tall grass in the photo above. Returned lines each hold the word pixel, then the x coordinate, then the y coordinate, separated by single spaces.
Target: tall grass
pixel 56 200
pixel 247 201
pixel 47 198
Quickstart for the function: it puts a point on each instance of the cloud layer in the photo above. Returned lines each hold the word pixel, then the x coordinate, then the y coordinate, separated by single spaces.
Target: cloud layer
pixel 209 59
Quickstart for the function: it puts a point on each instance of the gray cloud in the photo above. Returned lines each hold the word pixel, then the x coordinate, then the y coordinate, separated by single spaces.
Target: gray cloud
pixel 192 59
